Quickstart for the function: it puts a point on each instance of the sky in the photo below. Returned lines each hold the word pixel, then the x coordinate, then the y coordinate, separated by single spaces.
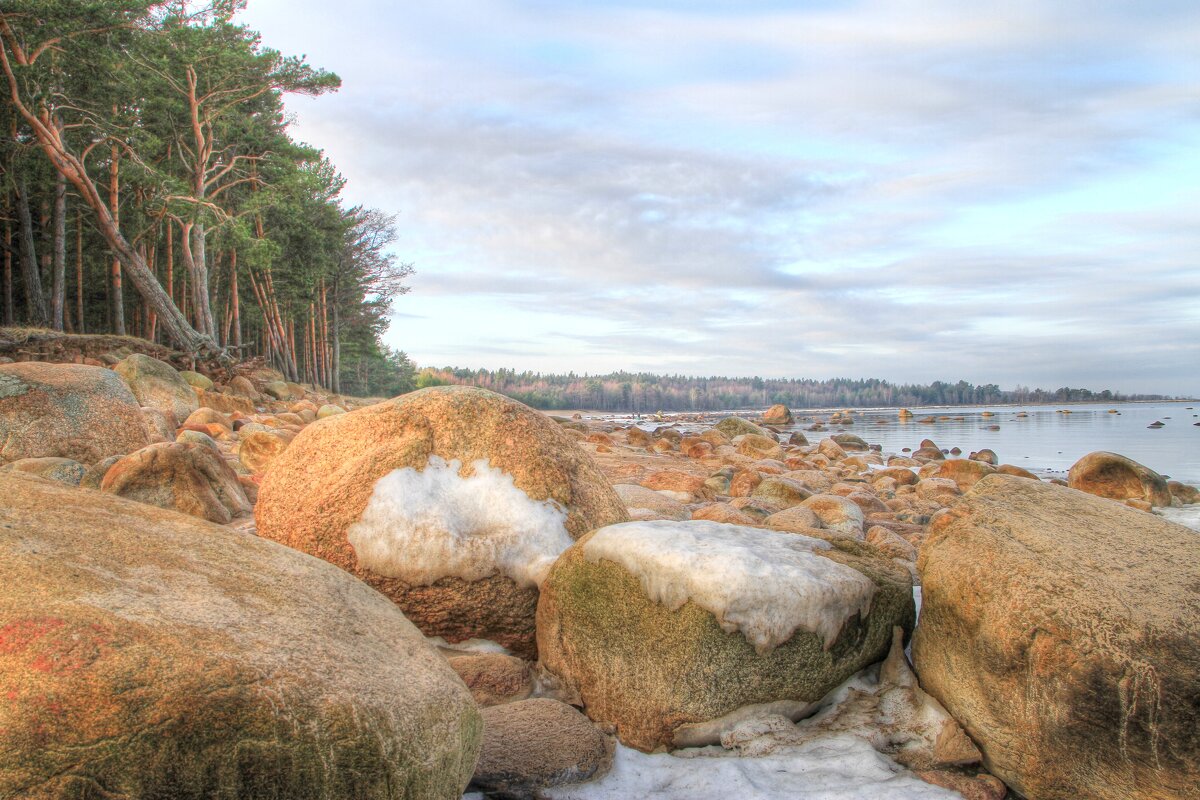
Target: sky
pixel 911 190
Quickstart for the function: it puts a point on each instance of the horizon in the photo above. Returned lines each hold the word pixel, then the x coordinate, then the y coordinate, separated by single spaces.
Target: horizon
pixel 899 189
pixel 1142 396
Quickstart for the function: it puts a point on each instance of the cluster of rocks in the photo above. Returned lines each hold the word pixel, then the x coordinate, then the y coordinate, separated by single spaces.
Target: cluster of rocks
pixel 450 589
pixel 147 432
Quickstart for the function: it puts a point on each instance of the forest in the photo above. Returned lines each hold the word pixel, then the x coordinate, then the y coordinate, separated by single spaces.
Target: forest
pixel 644 393
pixel 149 186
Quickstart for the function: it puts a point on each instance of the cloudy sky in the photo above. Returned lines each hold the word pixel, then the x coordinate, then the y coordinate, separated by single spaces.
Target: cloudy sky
pixel 906 189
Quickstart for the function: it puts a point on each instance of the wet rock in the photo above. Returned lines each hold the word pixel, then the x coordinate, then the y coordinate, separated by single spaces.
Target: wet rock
pixel 1119 478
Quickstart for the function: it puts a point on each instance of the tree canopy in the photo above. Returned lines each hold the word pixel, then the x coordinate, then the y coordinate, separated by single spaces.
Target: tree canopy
pixel 146 143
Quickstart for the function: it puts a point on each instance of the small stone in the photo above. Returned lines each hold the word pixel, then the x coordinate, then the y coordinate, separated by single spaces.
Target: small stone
pixel 536 744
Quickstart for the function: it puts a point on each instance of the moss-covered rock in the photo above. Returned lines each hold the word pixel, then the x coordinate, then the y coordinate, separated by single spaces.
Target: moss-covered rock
pixel 736 426
pixel 156 384
pixel 672 673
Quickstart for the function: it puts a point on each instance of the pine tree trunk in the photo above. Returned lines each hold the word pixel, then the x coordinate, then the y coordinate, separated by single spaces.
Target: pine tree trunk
pixel 35 303
pixel 9 316
pixel 59 295
pixel 337 345
pixel 233 296
pixel 79 271
pixel 114 188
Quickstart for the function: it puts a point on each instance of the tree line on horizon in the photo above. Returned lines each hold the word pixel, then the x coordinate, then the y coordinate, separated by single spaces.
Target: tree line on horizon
pixel 149 186
pixel 646 393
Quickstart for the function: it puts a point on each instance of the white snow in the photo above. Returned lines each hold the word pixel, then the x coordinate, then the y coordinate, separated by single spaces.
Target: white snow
pixel 841 767
pixel 421 526
pixel 469 645
pixel 763 583
pixel 830 756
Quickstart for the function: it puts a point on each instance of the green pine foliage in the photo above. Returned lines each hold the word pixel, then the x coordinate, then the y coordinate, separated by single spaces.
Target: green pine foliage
pixel 176 112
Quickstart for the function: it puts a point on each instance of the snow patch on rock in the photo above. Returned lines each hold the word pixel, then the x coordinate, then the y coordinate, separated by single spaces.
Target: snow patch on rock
pixel 764 584
pixel 421 526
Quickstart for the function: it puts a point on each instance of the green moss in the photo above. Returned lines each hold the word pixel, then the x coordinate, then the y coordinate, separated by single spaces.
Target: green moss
pixel 11 386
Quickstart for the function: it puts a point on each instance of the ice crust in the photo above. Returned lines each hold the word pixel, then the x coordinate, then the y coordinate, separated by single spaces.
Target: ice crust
pixel 764 584
pixel 421 526
pixel 842 767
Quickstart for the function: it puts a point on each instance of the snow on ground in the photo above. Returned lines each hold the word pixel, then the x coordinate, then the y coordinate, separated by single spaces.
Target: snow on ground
pixel 421 526
pixel 842 767
pixel 754 581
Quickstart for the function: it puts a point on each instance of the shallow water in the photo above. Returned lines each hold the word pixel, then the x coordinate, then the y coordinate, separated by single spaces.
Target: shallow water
pixel 1046 441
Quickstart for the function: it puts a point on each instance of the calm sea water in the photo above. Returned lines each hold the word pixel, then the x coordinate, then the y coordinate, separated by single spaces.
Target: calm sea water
pixel 1046 441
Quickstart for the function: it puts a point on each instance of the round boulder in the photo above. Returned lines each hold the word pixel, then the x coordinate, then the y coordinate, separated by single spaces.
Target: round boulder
pixel 537 744
pixel 156 384
pixel 736 426
pixel 674 631
pixel 777 414
pixel 258 449
pixel 68 411
pixel 144 653
pixel 1118 478
pixel 452 501
pixel 185 476
pixel 1063 632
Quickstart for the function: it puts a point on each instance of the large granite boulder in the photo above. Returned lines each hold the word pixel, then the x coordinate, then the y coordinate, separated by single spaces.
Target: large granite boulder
pixel 1063 632
pixel 156 384
pixel 777 414
pixel 673 631
pixel 66 411
pixel 191 477
pixel 1119 478
pixel 452 501
pixel 736 426
pixel 147 654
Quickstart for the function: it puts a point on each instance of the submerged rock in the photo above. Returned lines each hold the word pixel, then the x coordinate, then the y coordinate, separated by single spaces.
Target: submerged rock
pixel 668 630
pixel 1063 632
pixel 156 655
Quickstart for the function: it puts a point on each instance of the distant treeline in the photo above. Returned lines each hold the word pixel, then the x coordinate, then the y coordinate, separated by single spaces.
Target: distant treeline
pixel 645 393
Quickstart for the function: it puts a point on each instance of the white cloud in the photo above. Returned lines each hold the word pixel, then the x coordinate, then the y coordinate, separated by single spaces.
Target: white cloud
pixel 810 191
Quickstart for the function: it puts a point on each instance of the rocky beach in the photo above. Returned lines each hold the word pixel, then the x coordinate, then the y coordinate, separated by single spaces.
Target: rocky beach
pixel 221 584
